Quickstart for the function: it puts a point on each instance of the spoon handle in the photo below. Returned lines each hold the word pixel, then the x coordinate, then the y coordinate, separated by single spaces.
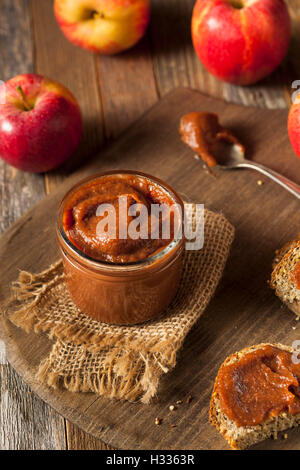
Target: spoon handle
pixel 282 180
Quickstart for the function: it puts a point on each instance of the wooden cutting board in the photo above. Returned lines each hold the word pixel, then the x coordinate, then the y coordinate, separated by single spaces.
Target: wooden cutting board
pixel 244 310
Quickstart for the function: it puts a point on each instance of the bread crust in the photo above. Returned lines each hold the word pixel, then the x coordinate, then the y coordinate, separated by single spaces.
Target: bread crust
pixel 279 255
pixel 281 258
pixel 245 436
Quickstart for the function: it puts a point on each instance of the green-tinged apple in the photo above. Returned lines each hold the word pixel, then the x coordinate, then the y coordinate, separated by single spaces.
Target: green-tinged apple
pixel 103 26
pixel 241 41
pixel 294 125
pixel 40 123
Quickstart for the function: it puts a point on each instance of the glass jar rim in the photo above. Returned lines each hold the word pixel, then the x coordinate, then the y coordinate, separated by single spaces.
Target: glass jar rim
pixel 107 265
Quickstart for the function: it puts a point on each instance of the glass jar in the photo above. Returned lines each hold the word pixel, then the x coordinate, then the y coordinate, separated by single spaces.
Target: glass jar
pixel 126 293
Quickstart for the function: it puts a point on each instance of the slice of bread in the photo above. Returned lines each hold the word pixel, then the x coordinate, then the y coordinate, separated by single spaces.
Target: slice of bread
pixel 284 263
pixel 241 437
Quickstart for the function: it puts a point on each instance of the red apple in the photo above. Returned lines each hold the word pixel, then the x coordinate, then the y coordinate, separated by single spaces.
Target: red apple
pixel 294 126
pixel 103 26
pixel 40 123
pixel 241 41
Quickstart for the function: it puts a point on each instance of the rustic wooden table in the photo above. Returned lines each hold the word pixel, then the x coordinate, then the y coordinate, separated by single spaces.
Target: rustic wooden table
pixel 113 92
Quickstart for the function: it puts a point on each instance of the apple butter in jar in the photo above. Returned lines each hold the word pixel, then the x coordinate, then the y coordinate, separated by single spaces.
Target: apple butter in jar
pixel 120 236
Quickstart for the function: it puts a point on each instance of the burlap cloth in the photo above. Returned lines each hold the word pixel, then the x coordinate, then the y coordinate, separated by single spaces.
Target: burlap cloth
pixel 125 362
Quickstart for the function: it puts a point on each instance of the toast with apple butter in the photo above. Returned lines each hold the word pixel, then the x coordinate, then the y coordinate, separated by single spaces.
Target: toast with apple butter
pixel 256 394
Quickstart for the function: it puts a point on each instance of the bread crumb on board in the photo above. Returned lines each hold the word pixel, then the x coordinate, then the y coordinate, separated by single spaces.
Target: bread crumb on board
pixel 189 399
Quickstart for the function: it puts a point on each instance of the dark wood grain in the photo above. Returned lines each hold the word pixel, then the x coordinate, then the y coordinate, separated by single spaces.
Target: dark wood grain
pixel 26 422
pixel 52 55
pixel 57 58
pixel 112 91
pixel 121 89
pixel 244 311
pixel 128 88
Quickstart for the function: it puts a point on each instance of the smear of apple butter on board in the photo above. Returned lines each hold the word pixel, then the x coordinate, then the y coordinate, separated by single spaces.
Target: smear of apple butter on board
pixel 203 133
pixel 260 385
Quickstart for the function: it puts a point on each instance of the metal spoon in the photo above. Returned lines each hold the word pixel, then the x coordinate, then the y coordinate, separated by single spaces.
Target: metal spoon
pixel 233 158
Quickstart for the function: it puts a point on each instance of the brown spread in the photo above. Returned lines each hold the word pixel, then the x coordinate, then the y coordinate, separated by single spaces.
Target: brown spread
pixel 260 385
pixel 295 275
pixel 80 219
pixel 119 291
pixel 202 132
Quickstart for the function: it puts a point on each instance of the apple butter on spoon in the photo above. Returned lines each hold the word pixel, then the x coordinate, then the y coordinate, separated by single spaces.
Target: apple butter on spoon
pixel 218 146
pixel 207 138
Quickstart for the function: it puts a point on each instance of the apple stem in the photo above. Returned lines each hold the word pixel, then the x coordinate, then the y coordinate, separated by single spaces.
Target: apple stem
pixel 98 14
pixel 25 102
pixel 238 4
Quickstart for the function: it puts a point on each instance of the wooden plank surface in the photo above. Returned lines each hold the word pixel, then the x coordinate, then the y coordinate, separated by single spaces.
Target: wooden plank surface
pixel 57 58
pixel 112 93
pixel 26 422
pixel 127 87
pixel 244 305
pixel 120 89
pixel 81 78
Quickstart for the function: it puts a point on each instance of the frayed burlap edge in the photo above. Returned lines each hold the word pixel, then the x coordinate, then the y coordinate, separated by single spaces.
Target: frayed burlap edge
pixel 129 376
pixel 31 289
